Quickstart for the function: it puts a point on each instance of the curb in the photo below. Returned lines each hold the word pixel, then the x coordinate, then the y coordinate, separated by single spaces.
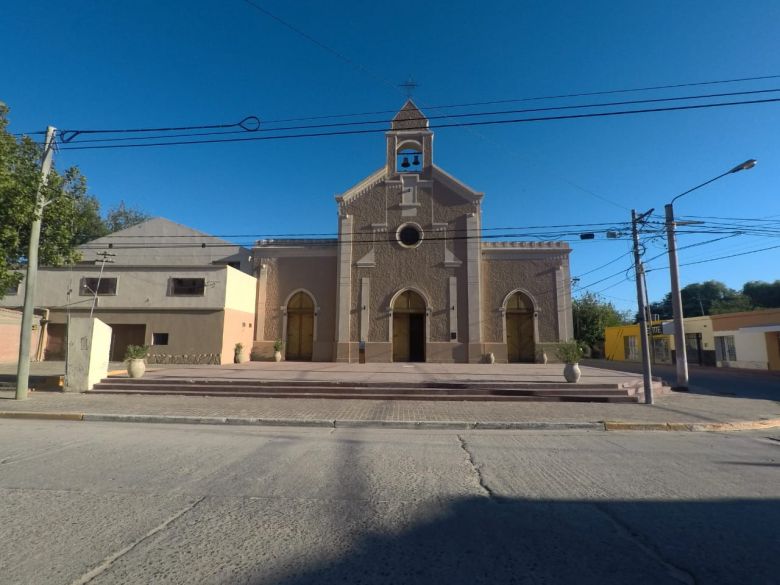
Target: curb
pixel 389 424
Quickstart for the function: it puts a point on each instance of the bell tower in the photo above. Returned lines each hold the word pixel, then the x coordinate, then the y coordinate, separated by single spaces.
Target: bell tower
pixel 409 144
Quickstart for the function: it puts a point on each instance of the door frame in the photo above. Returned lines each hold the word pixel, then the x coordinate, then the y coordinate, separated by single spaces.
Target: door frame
pixel 427 302
pixel 534 311
pixel 284 316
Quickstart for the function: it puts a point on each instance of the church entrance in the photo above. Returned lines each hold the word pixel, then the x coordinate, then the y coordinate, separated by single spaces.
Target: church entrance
pixel 520 346
pixel 409 328
pixel 300 328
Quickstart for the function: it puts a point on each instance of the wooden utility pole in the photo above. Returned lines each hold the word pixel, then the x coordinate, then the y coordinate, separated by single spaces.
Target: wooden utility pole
pixel 23 367
pixel 640 297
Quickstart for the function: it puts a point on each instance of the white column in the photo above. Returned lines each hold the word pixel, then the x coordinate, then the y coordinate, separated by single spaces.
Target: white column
pixel 344 288
pixel 562 305
pixel 453 308
pixel 364 307
pixel 473 276
pixel 262 284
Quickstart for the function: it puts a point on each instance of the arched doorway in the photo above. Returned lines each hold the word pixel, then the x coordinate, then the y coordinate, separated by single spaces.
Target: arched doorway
pixel 300 328
pixel 519 316
pixel 409 327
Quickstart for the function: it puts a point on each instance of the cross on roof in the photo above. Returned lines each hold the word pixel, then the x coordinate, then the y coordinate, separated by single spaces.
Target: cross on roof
pixel 409 86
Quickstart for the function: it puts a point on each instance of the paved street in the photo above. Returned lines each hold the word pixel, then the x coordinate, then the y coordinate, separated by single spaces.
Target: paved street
pixel 125 503
pixel 760 384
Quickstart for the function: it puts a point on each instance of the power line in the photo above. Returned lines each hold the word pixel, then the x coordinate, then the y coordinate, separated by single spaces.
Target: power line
pixel 531 99
pixel 383 121
pixel 453 125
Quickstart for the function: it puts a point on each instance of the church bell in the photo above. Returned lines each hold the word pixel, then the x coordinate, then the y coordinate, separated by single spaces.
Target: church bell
pixel 405 164
pixel 416 160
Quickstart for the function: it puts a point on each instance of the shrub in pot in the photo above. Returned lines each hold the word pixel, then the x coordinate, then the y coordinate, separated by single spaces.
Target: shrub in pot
pixel 278 345
pixel 135 356
pixel 240 357
pixel 569 353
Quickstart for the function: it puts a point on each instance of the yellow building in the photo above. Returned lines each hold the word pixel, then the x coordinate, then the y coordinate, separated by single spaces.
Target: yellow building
pixel 623 343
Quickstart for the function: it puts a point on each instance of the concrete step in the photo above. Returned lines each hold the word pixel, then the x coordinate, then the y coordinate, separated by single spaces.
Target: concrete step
pixel 544 397
pixel 368 390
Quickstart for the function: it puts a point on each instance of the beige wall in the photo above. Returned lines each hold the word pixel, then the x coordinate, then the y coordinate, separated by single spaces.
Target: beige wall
pixel 730 321
pixel 537 277
pixel 237 328
pixel 137 288
pixel 313 273
pixel 751 350
pixel 704 326
pixel 10 329
pixel 240 291
pixel 398 268
pixel 198 335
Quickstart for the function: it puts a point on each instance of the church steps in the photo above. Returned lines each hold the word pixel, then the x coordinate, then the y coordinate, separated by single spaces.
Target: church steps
pixel 546 392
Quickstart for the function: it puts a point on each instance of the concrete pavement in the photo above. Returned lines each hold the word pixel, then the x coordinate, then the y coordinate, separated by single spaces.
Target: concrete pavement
pixel 108 504
pixel 674 411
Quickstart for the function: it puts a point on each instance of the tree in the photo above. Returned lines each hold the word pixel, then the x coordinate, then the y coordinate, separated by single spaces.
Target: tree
pixel 71 217
pixel 703 298
pixel 122 217
pixel 591 316
pixel 762 294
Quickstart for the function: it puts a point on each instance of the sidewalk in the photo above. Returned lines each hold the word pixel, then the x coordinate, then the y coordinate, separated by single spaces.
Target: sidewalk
pixel 671 412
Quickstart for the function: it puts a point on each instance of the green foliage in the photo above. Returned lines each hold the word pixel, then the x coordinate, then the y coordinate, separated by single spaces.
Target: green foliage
pixel 71 218
pixel 735 304
pixel 591 315
pixel 764 295
pixel 278 345
pixel 239 347
pixel 122 217
pixel 136 352
pixel 569 352
pixel 704 298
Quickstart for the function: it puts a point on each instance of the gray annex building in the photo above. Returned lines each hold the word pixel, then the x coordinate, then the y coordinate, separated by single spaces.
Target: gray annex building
pixel 409 277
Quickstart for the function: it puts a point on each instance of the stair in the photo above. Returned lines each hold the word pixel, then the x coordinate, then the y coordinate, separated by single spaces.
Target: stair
pixel 446 391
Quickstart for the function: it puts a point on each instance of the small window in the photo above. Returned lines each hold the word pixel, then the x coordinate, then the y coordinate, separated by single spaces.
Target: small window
pixel 159 339
pixel 188 287
pixel 725 350
pixel 409 235
pixel 100 286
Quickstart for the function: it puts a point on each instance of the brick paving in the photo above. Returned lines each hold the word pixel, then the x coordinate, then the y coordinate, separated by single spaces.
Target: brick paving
pixel 674 407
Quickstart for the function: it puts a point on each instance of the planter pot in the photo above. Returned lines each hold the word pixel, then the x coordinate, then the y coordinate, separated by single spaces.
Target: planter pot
pixel 491 358
pixel 572 372
pixel 241 358
pixel 278 356
pixel 136 368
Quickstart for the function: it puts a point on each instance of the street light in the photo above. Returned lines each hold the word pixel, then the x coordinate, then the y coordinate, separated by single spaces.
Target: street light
pixel 677 312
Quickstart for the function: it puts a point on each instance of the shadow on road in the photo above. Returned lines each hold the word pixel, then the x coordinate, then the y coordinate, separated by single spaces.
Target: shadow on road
pixel 489 540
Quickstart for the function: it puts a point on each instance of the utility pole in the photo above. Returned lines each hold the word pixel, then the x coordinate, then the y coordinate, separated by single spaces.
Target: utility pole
pixel 681 355
pixel 105 256
pixel 640 297
pixel 23 367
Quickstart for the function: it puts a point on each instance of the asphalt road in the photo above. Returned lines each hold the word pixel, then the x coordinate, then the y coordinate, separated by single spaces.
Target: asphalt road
pixel 124 503
pixel 708 380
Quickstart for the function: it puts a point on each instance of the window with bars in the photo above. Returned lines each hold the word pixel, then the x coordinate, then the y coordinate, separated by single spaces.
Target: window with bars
pixel 725 350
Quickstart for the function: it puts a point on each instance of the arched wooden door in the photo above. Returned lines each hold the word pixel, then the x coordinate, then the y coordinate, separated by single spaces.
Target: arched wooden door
pixel 299 344
pixel 409 328
pixel 520 345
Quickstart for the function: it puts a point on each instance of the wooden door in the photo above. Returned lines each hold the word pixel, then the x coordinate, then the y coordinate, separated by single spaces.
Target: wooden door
pixel 400 337
pixel 300 336
pixel 520 337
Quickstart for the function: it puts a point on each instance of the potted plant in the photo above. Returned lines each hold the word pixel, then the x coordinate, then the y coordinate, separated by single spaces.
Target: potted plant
pixel 278 345
pixel 569 353
pixel 240 357
pixel 135 356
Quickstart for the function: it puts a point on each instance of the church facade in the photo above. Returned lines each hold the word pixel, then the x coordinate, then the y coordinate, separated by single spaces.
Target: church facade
pixel 409 278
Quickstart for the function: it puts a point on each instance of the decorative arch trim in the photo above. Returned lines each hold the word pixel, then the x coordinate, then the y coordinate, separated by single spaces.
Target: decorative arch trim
pixel 535 314
pixel 523 291
pixel 284 312
pixel 427 302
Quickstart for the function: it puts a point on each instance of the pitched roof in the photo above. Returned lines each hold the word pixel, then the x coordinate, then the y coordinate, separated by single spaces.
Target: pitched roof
pixel 409 117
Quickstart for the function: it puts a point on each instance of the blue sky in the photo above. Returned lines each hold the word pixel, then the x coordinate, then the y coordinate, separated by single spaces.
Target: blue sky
pixel 145 63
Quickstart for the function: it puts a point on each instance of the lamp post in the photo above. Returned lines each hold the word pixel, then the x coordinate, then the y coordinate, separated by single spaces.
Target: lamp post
pixel 677 312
